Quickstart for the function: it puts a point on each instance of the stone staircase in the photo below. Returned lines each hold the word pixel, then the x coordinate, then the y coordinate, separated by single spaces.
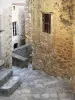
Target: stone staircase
pixel 8 82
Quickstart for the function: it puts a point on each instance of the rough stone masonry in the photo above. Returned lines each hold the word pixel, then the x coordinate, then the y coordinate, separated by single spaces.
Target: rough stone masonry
pixel 54 53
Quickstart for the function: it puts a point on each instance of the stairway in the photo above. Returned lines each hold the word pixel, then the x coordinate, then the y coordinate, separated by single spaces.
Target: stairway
pixel 8 82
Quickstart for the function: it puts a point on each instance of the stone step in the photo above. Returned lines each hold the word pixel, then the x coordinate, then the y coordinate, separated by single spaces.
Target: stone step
pixel 12 84
pixel 5 74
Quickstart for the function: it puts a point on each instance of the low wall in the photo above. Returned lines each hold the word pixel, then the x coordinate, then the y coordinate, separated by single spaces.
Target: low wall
pixel 23 51
pixel 21 56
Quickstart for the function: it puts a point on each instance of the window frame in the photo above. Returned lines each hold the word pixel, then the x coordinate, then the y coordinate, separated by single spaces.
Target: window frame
pixel 14 25
pixel 44 24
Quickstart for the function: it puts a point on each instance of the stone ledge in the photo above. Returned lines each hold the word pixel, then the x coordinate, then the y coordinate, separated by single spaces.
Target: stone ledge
pixel 5 74
pixel 19 57
pixel 12 84
pixel 21 47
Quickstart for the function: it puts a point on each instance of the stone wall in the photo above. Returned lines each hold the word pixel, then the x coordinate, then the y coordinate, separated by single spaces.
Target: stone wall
pixel 53 53
pixel 28 27
pixel 64 32
pixel 24 50
pixel 6 26
pixel 21 21
pixel 21 56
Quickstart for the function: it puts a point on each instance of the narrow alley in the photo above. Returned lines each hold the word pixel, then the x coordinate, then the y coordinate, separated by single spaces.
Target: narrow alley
pixel 37 50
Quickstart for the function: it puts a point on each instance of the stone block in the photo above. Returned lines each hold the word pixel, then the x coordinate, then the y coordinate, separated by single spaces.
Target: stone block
pixel 5 74
pixel 10 86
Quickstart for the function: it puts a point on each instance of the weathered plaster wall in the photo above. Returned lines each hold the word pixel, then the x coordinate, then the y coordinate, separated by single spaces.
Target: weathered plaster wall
pixel 53 52
pixel 7 41
pixel 18 17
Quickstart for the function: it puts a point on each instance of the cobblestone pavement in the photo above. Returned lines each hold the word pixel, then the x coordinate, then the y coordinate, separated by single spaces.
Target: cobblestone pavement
pixel 38 85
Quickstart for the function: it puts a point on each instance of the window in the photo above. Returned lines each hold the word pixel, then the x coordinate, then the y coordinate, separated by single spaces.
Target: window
pixel 13 7
pixel 14 29
pixel 15 45
pixel 46 18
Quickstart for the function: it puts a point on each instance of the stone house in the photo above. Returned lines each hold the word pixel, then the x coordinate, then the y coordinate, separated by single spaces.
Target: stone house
pixel 18 25
pixel 53 37
pixel 12 22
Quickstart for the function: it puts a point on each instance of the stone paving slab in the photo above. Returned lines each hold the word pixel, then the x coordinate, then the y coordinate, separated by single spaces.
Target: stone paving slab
pixel 40 86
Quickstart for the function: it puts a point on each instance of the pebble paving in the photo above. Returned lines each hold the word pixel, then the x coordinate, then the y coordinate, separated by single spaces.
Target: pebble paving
pixel 38 85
